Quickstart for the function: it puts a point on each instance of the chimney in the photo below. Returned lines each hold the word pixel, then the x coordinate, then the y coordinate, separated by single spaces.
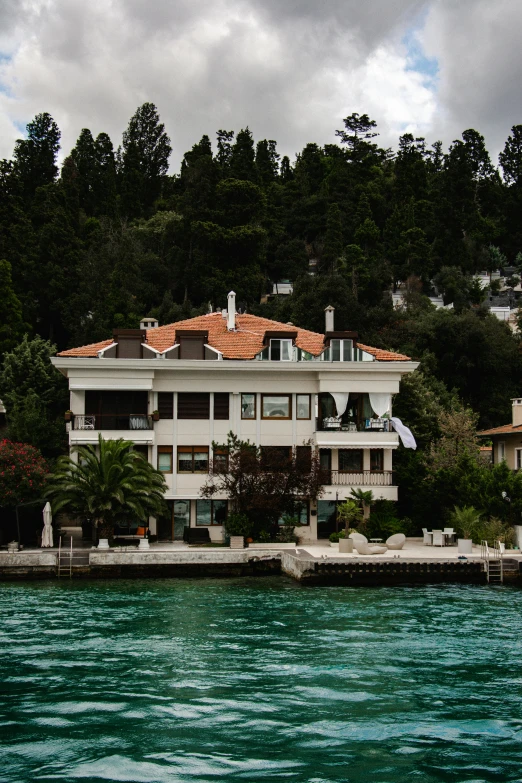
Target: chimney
pixel 329 318
pixel 517 411
pixel 231 319
pixel 149 322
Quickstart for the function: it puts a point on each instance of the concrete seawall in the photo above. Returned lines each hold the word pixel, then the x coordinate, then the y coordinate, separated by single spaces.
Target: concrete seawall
pixel 299 564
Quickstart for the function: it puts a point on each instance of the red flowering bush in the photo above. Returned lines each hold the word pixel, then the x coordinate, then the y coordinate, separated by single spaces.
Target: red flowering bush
pixel 22 473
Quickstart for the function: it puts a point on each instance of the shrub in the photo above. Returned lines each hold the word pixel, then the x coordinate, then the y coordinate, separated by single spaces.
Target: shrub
pixel 22 473
pixel 238 525
pixel 466 521
pixel 493 530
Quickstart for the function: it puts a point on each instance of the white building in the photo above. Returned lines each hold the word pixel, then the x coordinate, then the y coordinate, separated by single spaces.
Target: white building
pixel 271 383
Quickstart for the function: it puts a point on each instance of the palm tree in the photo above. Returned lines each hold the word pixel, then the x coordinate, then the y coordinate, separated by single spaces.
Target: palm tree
pixel 466 520
pixel 349 513
pixel 109 483
pixel 364 498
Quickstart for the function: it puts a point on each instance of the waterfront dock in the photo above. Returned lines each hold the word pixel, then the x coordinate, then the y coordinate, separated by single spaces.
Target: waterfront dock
pixel 315 563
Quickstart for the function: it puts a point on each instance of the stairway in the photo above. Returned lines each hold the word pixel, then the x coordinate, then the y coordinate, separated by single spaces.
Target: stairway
pixel 495 572
pixel 70 561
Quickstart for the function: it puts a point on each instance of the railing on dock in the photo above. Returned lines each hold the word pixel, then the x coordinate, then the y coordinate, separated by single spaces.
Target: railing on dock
pixel 493 562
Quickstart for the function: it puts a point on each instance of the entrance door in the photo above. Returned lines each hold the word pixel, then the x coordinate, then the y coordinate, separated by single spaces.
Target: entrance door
pixel 181 518
pixel 326 518
pixel 166 523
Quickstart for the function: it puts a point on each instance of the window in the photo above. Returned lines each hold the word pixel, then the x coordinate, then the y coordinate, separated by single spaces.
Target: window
pixel 281 350
pixel 300 511
pixel 276 457
pixel 221 406
pixel 166 405
pixel 276 407
pixel 338 351
pixel 351 460
pixel 211 512
pixel 141 449
pixel 303 458
pixel 518 459
pixel 220 461
pixel 248 406
pixel 501 451
pixel 377 459
pixel 192 459
pixel 165 459
pixel 193 405
pixel 303 406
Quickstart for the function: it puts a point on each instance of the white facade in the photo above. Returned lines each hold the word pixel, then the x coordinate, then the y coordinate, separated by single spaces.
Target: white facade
pixel 372 440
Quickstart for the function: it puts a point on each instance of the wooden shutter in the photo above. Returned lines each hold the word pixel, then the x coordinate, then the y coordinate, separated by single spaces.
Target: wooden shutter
pixel 221 406
pixel 166 405
pixel 192 348
pixel 193 405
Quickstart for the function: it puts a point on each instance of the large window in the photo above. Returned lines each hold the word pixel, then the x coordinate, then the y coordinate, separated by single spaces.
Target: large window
pixel 303 458
pixel 276 406
pixel 303 403
pixel 300 510
pixel 211 512
pixel 221 406
pixel 165 459
pixel 248 406
pixel 166 405
pixel 377 459
pixel 351 460
pixel 276 458
pixel 193 405
pixel 220 461
pixel 338 351
pixel 192 459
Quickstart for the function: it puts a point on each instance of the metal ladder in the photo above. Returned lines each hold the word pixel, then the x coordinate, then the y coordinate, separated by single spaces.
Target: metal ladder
pixel 493 562
pixel 69 559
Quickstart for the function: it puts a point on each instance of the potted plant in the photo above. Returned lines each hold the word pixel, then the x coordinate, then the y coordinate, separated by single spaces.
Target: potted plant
pixel 237 526
pixel 466 521
pixel 349 513
pixel 155 416
pixel 68 415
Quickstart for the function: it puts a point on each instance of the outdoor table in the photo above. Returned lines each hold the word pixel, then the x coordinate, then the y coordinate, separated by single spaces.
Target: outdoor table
pixel 375 540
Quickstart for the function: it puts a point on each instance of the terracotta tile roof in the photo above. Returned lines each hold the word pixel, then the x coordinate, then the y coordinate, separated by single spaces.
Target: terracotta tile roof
pixel 382 355
pixel 505 429
pixel 245 343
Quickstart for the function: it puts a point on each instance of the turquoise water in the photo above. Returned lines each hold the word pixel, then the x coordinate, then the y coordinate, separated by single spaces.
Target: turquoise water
pixel 252 680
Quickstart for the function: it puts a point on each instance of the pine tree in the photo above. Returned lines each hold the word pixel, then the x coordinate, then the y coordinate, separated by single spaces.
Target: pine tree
pixel 35 156
pixel 144 161
pixel 267 161
pixel 242 159
pixel 12 326
pixel 84 156
pixel 333 240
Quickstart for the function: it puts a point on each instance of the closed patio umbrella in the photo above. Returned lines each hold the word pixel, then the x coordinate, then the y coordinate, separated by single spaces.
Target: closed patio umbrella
pixel 47 532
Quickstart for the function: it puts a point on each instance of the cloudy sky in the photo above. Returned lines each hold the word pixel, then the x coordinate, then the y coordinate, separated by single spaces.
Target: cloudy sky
pixel 290 69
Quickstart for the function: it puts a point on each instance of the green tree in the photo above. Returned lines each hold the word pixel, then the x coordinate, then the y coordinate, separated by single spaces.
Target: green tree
pixel 333 240
pixel 12 326
pixel 109 483
pixel 35 156
pixel 267 161
pixel 144 160
pixel 22 473
pixel 242 157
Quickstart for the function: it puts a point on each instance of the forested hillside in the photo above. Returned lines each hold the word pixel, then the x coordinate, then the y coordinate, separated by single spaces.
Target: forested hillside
pixel 112 235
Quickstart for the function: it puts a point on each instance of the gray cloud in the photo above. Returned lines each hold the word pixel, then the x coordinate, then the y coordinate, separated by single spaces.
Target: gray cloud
pixel 290 69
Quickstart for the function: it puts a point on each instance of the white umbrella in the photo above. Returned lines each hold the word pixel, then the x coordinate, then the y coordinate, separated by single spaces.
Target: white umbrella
pixel 47 532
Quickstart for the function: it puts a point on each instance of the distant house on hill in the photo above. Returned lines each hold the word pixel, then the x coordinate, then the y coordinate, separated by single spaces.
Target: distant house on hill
pixel 507 439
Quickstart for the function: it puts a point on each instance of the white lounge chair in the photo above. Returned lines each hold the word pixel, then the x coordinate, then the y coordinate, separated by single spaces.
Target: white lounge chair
pixel 396 541
pixel 427 537
pixel 358 537
pixel 365 549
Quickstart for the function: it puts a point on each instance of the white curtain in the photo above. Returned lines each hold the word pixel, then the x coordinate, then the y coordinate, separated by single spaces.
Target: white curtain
pixel 404 433
pixel 380 402
pixel 341 401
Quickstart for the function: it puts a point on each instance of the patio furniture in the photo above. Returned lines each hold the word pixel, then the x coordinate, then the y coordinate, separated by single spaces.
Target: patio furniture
pixel 332 423
pixel 375 540
pixel 365 549
pixel 427 537
pixel 449 534
pixel 196 535
pixel 438 538
pixel 396 541
pixel 358 537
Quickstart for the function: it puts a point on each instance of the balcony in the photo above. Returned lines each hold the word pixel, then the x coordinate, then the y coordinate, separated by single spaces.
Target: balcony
pixel 364 478
pixel 112 421
pixel 335 424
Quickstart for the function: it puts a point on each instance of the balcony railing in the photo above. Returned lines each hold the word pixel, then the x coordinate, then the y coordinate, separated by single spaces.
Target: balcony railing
pixel 334 424
pixel 112 421
pixel 364 478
